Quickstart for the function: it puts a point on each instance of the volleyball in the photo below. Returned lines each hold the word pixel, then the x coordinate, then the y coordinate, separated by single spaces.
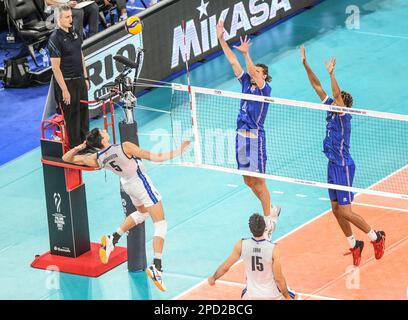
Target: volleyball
pixel 133 25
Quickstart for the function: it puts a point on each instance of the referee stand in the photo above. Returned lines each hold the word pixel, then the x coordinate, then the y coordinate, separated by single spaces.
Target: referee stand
pixel 70 248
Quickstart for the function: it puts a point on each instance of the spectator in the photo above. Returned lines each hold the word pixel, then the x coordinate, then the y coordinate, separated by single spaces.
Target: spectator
pixel 120 6
pixel 87 15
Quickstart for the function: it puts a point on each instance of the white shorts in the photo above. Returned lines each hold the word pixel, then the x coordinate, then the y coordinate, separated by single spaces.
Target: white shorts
pixel 246 295
pixel 142 191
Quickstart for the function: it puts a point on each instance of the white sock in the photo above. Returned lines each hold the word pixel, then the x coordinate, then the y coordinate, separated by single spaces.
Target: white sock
pixel 274 212
pixel 158 255
pixel 120 232
pixel 352 241
pixel 268 221
pixel 372 235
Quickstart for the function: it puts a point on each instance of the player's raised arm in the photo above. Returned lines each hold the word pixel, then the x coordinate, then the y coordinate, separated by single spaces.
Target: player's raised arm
pixel 224 268
pixel 314 81
pixel 83 160
pixel 133 150
pixel 338 100
pixel 231 57
pixel 277 273
pixel 259 77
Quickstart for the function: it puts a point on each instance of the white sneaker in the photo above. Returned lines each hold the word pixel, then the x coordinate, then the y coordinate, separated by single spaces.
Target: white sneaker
pixel 271 222
pixel 106 248
pixel 156 276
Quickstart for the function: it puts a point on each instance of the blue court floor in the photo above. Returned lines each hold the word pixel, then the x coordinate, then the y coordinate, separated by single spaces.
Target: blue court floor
pixel 207 211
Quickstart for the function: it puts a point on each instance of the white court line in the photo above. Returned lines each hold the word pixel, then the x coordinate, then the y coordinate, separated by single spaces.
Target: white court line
pixel 379 207
pixel 363 264
pixel 6 248
pixel 301 196
pixel 293 231
pixel 324 199
pixel 284 236
pixel 382 35
pixel 242 285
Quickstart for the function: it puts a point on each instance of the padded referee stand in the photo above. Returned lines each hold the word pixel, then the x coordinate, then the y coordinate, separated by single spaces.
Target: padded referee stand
pixel 66 205
pixel 70 248
pixel 136 240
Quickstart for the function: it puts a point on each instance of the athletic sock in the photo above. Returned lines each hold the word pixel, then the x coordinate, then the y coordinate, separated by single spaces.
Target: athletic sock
pixel 352 241
pixel 116 236
pixel 373 235
pixel 158 264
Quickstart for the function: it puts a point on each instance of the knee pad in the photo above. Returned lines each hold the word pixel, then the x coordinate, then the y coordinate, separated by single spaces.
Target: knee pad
pixel 160 229
pixel 138 217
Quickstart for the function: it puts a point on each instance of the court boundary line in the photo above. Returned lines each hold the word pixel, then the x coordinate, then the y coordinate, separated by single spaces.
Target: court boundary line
pixel 365 263
pixel 381 35
pixel 379 207
pixel 307 295
pixel 316 184
pixel 296 229
pixel 239 261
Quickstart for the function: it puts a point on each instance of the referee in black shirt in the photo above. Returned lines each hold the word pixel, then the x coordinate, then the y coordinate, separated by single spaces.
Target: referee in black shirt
pixel 68 66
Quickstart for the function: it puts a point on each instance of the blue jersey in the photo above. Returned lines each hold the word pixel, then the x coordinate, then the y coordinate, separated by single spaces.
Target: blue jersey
pixel 252 114
pixel 336 145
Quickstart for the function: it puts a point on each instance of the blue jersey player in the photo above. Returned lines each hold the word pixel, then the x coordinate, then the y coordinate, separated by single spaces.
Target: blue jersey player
pixel 250 138
pixel 341 167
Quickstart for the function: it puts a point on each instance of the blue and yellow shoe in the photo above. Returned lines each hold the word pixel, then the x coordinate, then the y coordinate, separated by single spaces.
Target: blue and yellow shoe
pixel 156 276
pixel 106 248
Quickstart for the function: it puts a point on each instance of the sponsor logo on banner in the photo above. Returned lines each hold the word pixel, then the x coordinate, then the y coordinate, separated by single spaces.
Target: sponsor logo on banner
pixel 103 69
pixel 59 218
pixel 201 32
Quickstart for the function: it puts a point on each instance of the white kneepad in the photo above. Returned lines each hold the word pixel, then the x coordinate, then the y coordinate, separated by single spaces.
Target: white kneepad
pixel 138 217
pixel 160 229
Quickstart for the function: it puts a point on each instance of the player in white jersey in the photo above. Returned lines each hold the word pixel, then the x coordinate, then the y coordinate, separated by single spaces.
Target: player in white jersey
pixel 124 160
pixel 264 277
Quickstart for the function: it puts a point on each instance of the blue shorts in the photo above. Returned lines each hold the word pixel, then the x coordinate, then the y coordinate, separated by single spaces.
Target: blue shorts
pixel 251 153
pixel 343 176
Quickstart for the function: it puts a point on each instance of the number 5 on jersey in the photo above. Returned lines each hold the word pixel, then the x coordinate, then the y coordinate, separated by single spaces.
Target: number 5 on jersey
pixel 115 166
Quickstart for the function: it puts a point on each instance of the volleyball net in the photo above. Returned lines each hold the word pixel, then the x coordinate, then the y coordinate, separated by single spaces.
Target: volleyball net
pixel 295 131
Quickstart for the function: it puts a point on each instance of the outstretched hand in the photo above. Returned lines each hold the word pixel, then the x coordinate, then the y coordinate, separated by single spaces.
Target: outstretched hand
pixel 330 65
pixel 244 46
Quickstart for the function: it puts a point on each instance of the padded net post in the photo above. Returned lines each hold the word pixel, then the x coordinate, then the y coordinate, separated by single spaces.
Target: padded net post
pixel 136 239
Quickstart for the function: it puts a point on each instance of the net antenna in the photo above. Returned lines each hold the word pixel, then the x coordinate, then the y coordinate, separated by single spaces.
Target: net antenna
pixel 192 100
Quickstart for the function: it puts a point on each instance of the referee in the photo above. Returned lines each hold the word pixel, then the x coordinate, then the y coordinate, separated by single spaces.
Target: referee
pixel 68 66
